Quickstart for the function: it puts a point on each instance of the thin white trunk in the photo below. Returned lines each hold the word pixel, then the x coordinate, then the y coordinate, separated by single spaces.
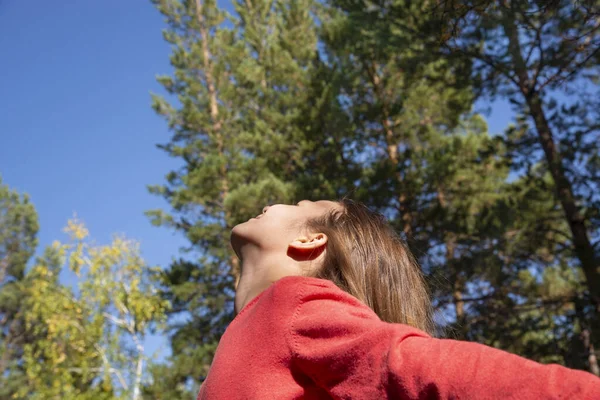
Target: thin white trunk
pixel 139 369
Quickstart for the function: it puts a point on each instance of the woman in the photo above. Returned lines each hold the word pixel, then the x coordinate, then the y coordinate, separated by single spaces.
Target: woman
pixel 331 304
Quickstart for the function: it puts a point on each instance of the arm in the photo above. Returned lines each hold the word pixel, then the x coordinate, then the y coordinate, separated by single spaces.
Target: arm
pixel 345 349
pixel 455 369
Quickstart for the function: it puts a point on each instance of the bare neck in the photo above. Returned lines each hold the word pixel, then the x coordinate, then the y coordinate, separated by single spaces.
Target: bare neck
pixel 260 270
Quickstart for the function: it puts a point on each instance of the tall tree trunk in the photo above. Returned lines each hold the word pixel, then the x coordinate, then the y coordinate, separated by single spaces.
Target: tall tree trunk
pixel 564 191
pixel 457 282
pixel 459 307
pixel 564 188
pixel 457 288
pixel 217 125
pixel 591 353
pixel 391 147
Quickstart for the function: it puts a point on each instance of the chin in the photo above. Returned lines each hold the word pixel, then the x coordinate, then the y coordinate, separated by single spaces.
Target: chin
pixel 238 235
pixel 236 230
pixel 244 227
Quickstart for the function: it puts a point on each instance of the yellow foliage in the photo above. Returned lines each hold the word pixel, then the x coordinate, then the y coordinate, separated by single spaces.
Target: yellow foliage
pixel 76 229
pixel 71 324
pixel 62 357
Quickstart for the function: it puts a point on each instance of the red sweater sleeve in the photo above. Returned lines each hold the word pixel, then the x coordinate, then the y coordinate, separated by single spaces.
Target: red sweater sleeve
pixel 343 347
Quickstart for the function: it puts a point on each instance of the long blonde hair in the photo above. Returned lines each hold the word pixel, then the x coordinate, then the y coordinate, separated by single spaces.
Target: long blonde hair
pixel 366 258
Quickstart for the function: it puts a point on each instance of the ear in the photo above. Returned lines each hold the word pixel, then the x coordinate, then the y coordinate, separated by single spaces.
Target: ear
pixel 307 247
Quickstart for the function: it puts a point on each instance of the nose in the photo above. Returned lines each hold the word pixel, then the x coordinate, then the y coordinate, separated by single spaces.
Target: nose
pixel 265 208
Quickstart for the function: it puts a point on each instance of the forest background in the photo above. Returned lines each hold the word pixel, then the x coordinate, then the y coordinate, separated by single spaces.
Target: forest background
pixel 264 101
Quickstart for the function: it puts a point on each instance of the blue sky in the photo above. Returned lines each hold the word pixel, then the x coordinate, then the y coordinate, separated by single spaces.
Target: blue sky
pixel 76 129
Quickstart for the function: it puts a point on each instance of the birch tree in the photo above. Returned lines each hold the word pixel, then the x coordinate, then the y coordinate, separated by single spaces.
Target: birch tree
pixel 90 335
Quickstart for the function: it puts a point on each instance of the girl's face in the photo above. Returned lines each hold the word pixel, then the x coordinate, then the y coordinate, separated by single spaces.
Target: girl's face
pixel 278 226
pixel 275 244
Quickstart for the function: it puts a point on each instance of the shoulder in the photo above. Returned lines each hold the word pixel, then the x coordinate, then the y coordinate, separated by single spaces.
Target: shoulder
pixel 317 308
pixel 305 304
pixel 336 340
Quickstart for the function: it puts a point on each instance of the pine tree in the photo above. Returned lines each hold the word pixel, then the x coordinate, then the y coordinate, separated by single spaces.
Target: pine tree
pixel 396 101
pixel 528 52
pixel 441 179
pixel 275 106
pixel 464 184
pixel 241 85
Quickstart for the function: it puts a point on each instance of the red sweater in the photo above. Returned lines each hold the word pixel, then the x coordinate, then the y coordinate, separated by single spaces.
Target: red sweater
pixel 304 338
